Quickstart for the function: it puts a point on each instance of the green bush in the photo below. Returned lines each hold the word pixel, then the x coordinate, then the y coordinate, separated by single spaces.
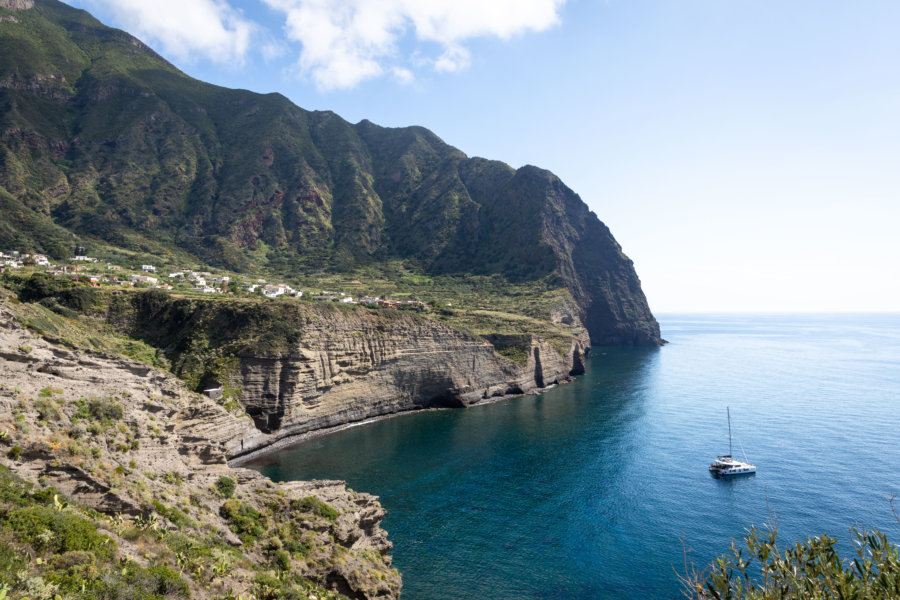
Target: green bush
pixel 243 519
pixel 161 580
pixel 99 409
pixel 282 560
pixel 47 529
pixel 313 505
pixel 47 410
pixel 226 486
pixel 41 285
pixel 49 391
pixel 174 515
pixel 807 570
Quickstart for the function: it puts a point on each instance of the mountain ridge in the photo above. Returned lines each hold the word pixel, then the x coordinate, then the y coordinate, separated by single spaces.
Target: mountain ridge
pixel 101 138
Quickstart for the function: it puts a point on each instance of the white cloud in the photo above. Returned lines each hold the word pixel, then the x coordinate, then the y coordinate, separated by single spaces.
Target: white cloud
pixel 402 75
pixel 185 28
pixel 454 58
pixel 348 41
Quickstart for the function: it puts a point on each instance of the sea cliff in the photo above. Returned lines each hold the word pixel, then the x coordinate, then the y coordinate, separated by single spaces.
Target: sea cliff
pixel 297 368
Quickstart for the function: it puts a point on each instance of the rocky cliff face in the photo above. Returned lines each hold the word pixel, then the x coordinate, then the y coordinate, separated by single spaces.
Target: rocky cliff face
pixel 17 4
pixel 101 138
pixel 132 443
pixel 329 367
pixel 357 371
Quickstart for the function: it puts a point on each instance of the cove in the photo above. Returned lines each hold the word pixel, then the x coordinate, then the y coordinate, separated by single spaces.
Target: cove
pixel 594 489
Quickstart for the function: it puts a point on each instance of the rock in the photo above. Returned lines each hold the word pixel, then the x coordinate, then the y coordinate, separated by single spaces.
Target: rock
pixel 302 368
pixel 17 4
pixel 169 445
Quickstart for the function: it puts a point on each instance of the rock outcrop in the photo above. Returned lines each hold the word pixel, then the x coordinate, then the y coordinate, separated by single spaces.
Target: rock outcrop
pixel 17 4
pixel 131 442
pixel 298 368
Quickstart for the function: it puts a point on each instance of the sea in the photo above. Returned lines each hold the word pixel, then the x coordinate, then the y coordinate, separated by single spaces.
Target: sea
pixel 600 488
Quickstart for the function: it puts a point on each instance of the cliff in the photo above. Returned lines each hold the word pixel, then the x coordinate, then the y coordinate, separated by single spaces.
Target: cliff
pixel 297 368
pixel 129 441
pixel 102 142
pixel 17 4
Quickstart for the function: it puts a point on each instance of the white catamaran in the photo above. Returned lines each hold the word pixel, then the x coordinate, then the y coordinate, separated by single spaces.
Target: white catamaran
pixel 726 464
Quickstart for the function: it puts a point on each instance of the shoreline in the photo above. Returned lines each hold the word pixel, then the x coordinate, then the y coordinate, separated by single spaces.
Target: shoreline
pixel 260 454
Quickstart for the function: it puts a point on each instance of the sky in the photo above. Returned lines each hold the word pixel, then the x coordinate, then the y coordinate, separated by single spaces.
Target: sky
pixel 744 153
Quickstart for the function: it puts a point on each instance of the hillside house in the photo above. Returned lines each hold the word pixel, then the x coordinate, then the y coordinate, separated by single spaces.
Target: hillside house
pixel 143 279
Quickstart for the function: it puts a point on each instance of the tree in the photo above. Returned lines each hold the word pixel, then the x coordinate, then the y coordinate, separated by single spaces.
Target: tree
pixel 810 569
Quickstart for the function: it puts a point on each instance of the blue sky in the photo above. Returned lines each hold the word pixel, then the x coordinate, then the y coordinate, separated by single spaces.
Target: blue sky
pixel 745 153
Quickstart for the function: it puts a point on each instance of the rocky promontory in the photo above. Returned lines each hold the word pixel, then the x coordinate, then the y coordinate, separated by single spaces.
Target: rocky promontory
pixel 130 442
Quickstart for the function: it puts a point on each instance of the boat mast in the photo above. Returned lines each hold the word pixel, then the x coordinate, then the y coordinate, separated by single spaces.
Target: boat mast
pixel 728 410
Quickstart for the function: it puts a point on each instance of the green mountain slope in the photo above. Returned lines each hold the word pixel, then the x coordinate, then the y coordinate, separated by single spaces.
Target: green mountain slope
pixel 100 138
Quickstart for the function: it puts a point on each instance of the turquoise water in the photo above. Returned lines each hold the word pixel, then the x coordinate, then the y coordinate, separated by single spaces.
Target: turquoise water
pixel 592 490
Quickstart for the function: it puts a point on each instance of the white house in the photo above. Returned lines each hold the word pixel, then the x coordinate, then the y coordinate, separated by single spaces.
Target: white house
pixel 148 268
pixel 143 279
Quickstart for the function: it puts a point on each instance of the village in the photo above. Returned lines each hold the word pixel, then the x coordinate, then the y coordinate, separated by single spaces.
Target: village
pixel 93 272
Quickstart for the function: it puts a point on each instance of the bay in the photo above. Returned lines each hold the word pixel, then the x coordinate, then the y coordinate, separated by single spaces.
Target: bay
pixel 600 488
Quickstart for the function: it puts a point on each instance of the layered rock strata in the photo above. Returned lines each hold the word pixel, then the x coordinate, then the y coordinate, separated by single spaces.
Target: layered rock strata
pixel 329 367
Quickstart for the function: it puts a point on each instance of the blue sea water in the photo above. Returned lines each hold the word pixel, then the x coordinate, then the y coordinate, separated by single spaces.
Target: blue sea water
pixel 594 489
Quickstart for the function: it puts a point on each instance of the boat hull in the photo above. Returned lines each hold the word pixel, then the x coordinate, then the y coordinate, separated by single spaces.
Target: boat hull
pixel 732 472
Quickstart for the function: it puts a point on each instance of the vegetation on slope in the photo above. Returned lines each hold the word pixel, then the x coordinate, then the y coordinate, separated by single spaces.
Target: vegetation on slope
pixel 52 547
pixel 114 436
pixel 198 337
pixel 103 141
pixel 761 570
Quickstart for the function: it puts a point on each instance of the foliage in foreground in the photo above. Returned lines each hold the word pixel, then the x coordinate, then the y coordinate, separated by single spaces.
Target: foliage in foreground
pixel 807 570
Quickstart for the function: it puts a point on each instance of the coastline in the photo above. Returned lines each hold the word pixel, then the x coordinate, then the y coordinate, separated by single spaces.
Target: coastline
pixel 257 456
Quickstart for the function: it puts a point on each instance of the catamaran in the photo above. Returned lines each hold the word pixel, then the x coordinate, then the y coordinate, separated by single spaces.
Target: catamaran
pixel 725 464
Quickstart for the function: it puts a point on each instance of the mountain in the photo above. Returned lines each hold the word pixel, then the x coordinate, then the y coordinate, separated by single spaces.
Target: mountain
pixel 102 139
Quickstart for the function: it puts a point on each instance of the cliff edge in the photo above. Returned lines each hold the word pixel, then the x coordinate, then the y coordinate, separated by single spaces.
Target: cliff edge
pixel 297 368
pixel 130 442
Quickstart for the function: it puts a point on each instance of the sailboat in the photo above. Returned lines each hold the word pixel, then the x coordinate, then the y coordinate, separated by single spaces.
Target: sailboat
pixel 726 465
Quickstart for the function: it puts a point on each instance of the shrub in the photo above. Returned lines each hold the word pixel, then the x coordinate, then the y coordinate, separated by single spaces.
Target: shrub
pixel 58 532
pixel 243 519
pixel 41 285
pixel 14 452
pixel 226 486
pixel 158 580
pixel 282 560
pixel 73 558
pixel 810 569
pixel 172 478
pixel 315 506
pixel 47 410
pixel 99 409
pixel 174 515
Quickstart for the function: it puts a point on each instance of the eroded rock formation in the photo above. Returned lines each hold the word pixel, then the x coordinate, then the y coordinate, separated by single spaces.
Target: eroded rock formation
pixel 159 445
pixel 298 368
